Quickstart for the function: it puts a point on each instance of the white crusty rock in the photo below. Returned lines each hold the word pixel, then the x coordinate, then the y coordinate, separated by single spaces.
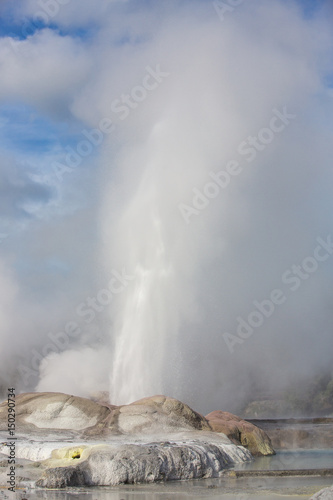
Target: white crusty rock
pixel 113 464
pixel 325 494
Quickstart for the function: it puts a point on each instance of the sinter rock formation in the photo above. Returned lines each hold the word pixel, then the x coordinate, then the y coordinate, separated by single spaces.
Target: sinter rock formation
pixel 241 432
pixel 65 440
pixel 325 494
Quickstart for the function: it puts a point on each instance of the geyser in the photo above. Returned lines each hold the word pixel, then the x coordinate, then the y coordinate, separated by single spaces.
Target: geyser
pixel 243 108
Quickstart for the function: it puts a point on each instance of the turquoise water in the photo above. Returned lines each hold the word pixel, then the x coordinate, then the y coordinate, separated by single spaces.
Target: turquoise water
pixel 293 460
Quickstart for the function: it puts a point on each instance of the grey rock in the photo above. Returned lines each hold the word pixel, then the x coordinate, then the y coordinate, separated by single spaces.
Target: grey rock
pixel 110 465
pixel 325 494
pixel 61 477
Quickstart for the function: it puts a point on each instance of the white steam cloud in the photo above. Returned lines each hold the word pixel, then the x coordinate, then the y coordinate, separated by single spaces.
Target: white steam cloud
pixel 214 182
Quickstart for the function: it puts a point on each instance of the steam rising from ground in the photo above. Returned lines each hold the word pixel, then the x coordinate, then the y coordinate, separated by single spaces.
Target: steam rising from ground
pixel 192 279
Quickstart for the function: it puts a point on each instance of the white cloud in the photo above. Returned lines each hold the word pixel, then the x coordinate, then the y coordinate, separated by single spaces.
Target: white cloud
pixel 45 71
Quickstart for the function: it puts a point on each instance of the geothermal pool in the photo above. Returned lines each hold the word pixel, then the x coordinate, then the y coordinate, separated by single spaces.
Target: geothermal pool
pixel 208 489
pixel 292 460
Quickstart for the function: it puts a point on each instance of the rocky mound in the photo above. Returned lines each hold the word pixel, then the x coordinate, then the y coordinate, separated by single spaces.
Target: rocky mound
pixel 60 411
pixel 241 432
pixel 52 410
pixel 36 412
pixel 153 439
pixel 155 414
